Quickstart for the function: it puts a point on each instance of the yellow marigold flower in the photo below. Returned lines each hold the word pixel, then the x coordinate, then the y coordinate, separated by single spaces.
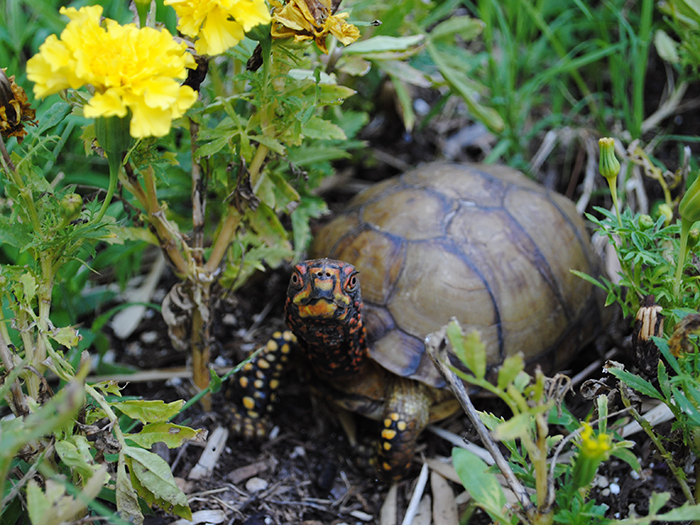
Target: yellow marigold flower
pixel 312 19
pixel 218 24
pixel 131 69
pixel 595 447
pixel 15 110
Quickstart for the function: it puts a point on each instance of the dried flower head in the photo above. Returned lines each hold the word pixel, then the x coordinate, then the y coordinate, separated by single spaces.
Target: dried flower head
pixel 15 110
pixel 218 24
pixel 131 69
pixel 312 20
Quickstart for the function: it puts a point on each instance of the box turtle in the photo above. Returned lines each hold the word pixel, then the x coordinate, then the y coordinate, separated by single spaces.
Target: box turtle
pixel 480 243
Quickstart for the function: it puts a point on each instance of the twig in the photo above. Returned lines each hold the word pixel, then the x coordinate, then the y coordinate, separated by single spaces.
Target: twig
pixel 436 343
pixel 416 497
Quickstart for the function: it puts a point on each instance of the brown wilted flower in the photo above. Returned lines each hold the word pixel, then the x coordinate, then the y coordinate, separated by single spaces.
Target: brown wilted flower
pixel 15 110
pixel 311 20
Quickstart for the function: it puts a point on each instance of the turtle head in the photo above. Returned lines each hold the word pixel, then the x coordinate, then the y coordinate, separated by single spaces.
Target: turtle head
pixel 323 309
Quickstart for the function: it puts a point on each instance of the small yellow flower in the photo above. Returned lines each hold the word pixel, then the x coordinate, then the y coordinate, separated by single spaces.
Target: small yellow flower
pixel 15 110
pixel 131 69
pixel 595 447
pixel 312 19
pixel 219 24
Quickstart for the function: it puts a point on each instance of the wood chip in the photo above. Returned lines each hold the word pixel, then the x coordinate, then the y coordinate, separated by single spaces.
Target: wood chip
pixel 248 471
pixel 423 514
pixel 445 469
pixel 388 515
pixel 444 506
pixel 203 516
pixel 210 457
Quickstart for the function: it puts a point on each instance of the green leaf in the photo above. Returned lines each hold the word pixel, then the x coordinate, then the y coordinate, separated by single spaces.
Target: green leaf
pixel 481 484
pixel 28 286
pixel 685 513
pixel 66 336
pixel 465 26
pixel 318 128
pixel 657 501
pixel 516 427
pixel 628 457
pixel 169 433
pixel 154 482
pixel 308 156
pixel 488 116
pixel 666 47
pixel 637 383
pixel 149 411
pixel 468 348
pixel 509 370
pixel 309 208
pixel 272 144
pixel 379 44
pixel 53 117
pixel 75 453
pixel 126 498
pixel 331 94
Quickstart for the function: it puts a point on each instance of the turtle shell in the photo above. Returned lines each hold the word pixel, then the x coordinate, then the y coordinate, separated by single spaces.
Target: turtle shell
pixel 480 243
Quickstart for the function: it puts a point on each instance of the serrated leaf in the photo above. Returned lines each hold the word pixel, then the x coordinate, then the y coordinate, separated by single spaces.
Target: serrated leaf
pixel 309 208
pixel 481 484
pixel 154 482
pixel 308 156
pixel 156 411
pixel 509 370
pixel 109 388
pixel 468 348
pixel 53 116
pixel 637 383
pixel 514 428
pixel 66 336
pixel 28 286
pixel 265 222
pixel 212 146
pixel 331 94
pixel 126 497
pixel 406 73
pixel 169 433
pixel 687 512
pixel 318 128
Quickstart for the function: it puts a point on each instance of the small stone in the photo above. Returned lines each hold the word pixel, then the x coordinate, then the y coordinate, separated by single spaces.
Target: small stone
pixel 298 452
pixel 614 488
pixel 602 481
pixel 229 319
pixel 605 492
pixel 149 337
pixel 256 485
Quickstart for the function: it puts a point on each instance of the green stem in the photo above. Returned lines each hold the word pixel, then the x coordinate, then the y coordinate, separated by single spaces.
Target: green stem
pixel 682 252
pixel 115 163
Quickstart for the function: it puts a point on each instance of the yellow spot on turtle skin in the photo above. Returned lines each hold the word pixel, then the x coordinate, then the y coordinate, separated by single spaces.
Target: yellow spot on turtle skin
pixel 401 425
pixel 258 394
pixel 277 335
pixel 243 381
pixel 386 466
pixel 387 422
pixel 387 445
pixel 263 364
pixel 248 402
pixel 248 367
pixel 270 356
pixel 288 336
pixel 274 384
pixel 285 349
pixel 394 416
pixel 253 414
pixel 387 433
pixel 272 345
pixel 259 383
pixel 278 366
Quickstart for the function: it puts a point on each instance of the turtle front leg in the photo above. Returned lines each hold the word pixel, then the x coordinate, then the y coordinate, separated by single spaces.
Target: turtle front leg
pixel 406 414
pixel 252 390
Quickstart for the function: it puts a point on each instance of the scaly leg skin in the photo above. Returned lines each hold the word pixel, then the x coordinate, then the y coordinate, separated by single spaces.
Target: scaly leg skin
pixel 253 389
pixel 406 415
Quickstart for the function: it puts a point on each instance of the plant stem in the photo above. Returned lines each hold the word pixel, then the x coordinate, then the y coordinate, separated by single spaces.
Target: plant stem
pixel 115 163
pixel 682 252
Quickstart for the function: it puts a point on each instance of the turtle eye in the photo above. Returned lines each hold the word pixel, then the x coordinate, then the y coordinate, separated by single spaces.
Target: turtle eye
pixel 351 283
pixel 295 279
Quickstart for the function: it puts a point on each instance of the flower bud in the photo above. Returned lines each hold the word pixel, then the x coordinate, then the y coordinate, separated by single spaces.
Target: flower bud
pixel 592 451
pixel 667 212
pixel 609 166
pixel 689 208
pixel 71 206
pixel 646 222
